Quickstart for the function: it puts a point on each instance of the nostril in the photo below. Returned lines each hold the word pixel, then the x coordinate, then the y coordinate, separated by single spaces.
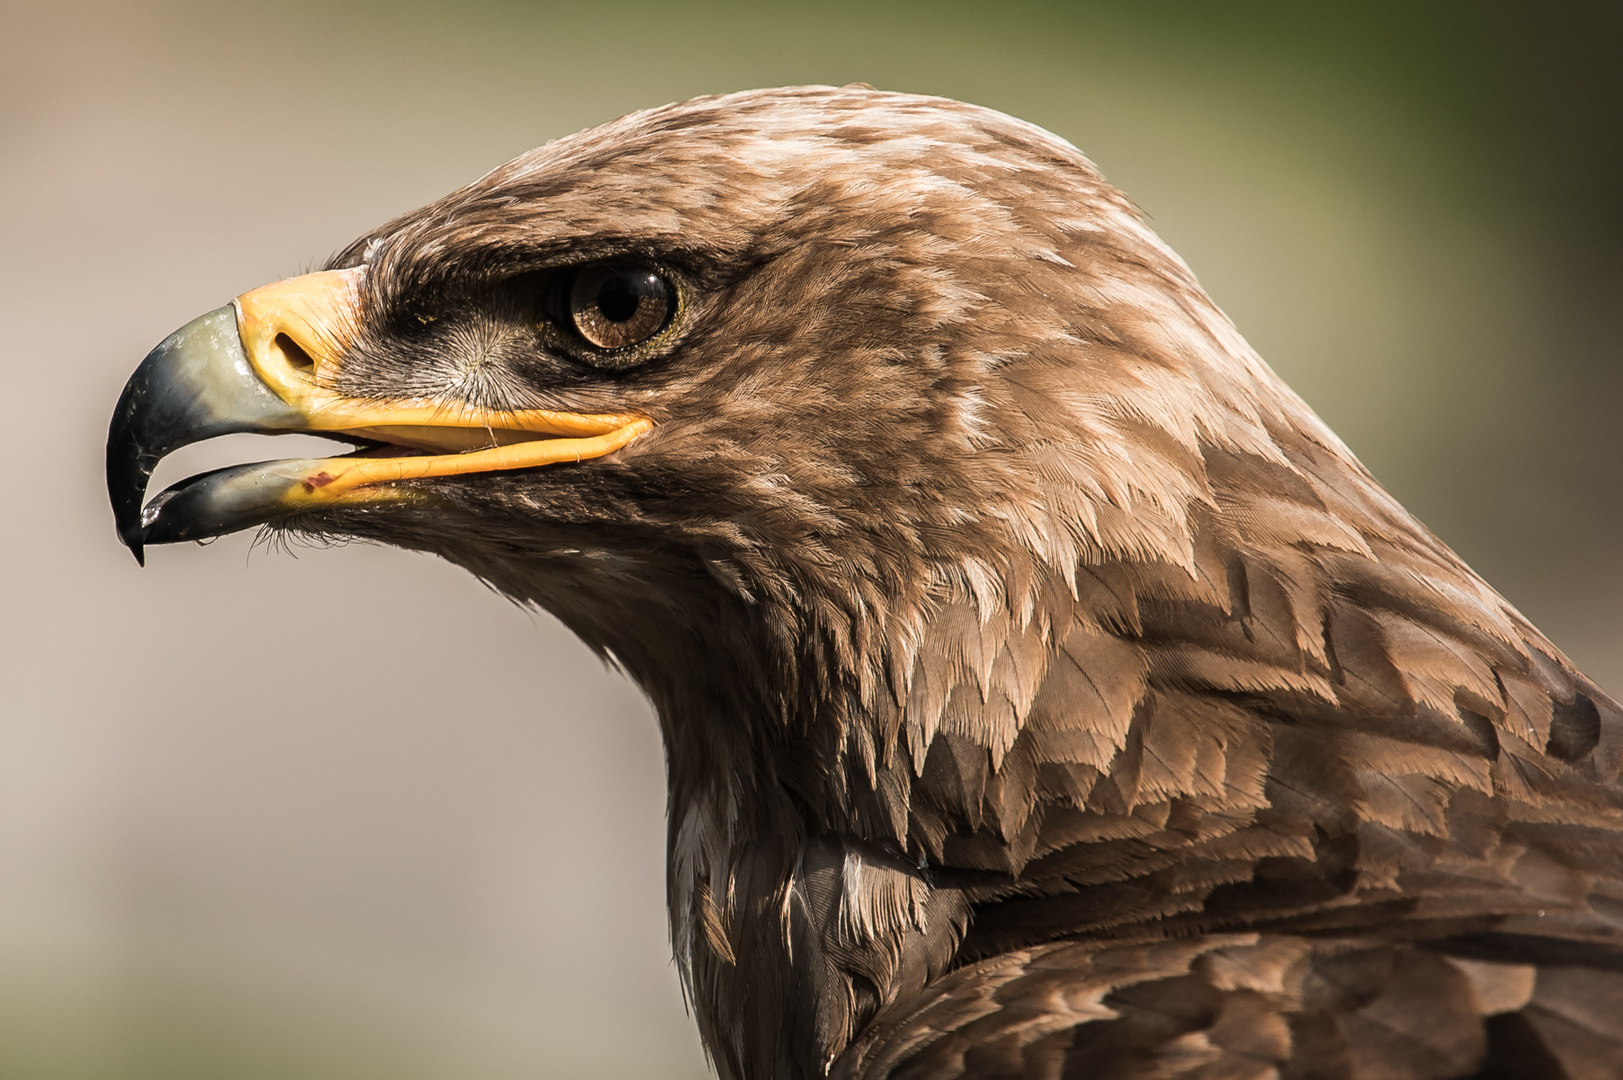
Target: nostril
pixel 295 355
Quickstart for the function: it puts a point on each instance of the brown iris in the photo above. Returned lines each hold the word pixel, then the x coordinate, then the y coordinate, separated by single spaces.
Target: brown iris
pixel 614 306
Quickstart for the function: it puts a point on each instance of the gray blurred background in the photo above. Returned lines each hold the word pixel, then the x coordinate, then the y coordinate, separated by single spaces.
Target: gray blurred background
pixel 344 814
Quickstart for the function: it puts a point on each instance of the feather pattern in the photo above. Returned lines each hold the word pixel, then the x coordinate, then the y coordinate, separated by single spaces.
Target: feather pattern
pixel 1047 692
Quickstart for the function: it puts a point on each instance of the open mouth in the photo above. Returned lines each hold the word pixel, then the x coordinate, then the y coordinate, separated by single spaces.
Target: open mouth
pixel 256 365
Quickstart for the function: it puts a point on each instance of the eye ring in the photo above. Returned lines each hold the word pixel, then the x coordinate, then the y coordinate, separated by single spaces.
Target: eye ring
pixel 613 307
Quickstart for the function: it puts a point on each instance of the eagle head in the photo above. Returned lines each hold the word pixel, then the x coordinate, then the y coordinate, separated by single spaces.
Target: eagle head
pixel 988 587
pixel 740 388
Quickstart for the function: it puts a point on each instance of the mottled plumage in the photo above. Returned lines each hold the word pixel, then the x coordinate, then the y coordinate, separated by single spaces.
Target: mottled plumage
pixel 1046 691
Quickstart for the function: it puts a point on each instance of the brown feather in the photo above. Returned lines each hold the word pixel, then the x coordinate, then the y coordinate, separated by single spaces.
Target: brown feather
pixel 1046 691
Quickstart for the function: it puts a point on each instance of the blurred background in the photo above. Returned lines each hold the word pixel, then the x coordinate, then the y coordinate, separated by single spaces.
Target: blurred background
pixel 345 814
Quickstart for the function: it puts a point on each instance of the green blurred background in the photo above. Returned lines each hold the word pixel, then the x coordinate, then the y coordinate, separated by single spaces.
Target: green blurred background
pixel 347 815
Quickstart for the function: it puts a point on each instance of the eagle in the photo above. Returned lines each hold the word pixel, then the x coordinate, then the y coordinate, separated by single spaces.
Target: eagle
pixel 1046 692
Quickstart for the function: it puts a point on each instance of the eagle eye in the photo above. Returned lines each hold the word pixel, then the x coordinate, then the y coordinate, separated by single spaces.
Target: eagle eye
pixel 614 306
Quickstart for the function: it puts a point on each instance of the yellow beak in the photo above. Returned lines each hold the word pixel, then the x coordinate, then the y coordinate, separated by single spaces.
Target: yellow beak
pixel 266 363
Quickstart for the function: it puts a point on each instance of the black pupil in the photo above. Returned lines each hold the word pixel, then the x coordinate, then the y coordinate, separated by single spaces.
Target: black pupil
pixel 619 297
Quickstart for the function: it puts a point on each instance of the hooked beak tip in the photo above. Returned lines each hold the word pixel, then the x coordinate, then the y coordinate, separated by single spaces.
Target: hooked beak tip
pixel 134 538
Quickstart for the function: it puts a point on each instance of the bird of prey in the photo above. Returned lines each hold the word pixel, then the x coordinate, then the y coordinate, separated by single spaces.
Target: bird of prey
pixel 1046 691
